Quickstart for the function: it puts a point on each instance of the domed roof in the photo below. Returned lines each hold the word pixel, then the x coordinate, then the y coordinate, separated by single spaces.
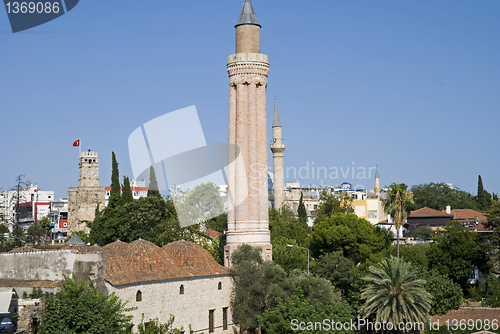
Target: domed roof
pixel 193 258
pixel 143 261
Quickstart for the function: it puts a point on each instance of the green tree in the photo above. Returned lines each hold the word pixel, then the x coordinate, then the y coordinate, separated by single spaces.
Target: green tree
pixel 127 196
pixel 114 195
pixel 337 269
pixel 37 231
pixel 45 223
pixel 455 252
pixel 256 284
pixel 288 258
pixel 397 204
pixel 3 229
pixel 196 206
pixel 492 240
pixel 81 308
pixel 284 224
pixel 153 189
pixel 354 237
pixel 483 197
pixel 332 203
pixel 493 291
pixel 438 195
pixel 316 289
pixel 301 210
pixel 415 254
pixel 295 306
pixel 155 327
pixel 446 294
pixel 395 293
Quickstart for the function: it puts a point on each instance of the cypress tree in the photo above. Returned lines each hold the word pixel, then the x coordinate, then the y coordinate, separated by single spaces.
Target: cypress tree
pixel 153 183
pixel 301 210
pixel 483 197
pixel 127 196
pixel 114 195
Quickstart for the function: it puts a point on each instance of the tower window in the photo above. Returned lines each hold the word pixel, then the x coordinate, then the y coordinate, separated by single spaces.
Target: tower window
pixel 219 286
pixel 138 296
pixel 181 290
pixel 211 327
pixel 224 318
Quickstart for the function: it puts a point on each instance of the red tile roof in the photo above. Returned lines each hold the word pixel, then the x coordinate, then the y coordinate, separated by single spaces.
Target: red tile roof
pixel 479 313
pixel 428 212
pixel 143 261
pixel 212 233
pixel 463 214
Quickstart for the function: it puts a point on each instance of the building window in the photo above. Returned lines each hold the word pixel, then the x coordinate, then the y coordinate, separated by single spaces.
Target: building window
pixel 219 286
pixel 181 290
pixel 211 327
pixel 372 213
pixel 138 296
pixel 354 196
pixel 224 318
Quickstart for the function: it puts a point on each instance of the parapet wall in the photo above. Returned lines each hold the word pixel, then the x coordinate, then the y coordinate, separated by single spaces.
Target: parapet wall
pixel 50 266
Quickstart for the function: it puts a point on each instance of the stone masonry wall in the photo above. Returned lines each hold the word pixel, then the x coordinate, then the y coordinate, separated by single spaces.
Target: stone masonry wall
pixel 160 299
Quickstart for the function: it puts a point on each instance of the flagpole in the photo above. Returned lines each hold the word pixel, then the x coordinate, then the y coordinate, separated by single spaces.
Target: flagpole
pixel 80 147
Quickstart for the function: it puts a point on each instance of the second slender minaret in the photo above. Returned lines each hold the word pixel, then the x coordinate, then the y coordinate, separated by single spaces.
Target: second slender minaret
pixel 248 216
pixel 377 184
pixel 277 147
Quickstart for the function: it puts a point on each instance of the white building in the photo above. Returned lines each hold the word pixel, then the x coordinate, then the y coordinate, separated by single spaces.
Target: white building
pixel 34 204
pixel 138 189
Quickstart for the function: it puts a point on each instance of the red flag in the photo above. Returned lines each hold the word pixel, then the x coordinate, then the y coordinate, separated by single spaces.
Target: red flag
pixel 77 142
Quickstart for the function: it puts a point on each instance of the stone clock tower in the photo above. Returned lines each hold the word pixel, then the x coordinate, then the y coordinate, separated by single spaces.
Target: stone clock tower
pixel 248 220
pixel 83 200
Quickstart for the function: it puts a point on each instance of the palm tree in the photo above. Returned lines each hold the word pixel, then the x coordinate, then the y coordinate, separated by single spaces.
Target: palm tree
pixel 396 204
pixel 395 294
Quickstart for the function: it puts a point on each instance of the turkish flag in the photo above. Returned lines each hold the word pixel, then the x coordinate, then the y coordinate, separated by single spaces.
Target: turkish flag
pixel 76 143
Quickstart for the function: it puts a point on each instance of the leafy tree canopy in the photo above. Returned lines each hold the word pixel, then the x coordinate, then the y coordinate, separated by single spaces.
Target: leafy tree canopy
pixel 155 327
pixel 438 195
pixel 493 292
pixel 343 274
pixel 260 285
pixel 415 254
pixel 446 294
pixel 284 224
pixel 278 319
pixel 455 252
pixel 354 237
pixel 3 229
pixel 332 203
pixel 81 308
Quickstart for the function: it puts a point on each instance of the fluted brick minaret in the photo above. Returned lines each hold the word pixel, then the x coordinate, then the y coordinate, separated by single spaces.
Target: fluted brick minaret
pixel 248 221
pixel 277 147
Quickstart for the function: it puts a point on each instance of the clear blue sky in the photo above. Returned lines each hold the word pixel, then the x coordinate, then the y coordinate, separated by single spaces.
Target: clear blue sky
pixel 413 86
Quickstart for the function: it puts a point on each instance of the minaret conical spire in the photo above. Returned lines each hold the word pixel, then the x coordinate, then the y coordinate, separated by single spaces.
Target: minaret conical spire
pixel 276 119
pixel 247 15
pixel 376 173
